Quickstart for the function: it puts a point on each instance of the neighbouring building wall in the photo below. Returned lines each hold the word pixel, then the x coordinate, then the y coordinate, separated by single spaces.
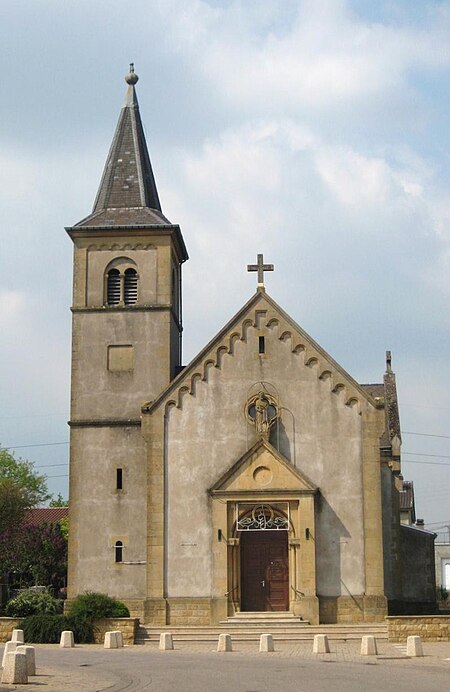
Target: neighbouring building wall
pixel 418 572
pixel 391 535
pixel 442 559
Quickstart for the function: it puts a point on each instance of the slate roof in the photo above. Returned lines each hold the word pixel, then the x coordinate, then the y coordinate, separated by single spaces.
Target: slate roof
pixel 128 185
pixel 45 515
pixel 375 390
pixel 407 495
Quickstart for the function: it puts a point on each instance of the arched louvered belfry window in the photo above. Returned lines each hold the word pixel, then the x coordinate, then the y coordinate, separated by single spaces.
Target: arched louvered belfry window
pixel 118 551
pixel 113 287
pixel 121 283
pixel 130 289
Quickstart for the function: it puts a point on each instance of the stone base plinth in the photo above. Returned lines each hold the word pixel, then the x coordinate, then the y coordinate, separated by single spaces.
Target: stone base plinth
pixel 352 609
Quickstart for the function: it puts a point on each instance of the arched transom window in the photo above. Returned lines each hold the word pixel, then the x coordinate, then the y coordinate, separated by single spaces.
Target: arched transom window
pixel 121 283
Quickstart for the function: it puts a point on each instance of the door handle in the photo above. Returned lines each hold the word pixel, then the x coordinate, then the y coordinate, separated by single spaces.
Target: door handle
pixel 263 583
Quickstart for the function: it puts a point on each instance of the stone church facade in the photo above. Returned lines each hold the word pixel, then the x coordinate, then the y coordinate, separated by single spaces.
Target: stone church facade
pixel 260 477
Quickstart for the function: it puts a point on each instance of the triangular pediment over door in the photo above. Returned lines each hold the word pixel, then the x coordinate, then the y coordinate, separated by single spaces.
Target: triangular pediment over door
pixel 262 470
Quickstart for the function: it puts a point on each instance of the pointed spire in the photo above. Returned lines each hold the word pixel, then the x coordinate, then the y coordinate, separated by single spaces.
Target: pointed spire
pixel 128 180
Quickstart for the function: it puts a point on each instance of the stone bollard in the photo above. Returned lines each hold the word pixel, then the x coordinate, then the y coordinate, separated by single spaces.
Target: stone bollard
pixel 165 641
pixel 266 643
pixel 15 669
pixel 224 643
pixel 119 637
pixel 10 648
pixel 29 652
pixel 368 645
pixel 67 640
pixel 17 636
pixel 110 640
pixel 321 645
pixel 414 646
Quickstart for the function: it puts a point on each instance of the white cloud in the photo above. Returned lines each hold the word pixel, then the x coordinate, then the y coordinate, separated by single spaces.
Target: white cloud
pixel 325 56
pixel 11 308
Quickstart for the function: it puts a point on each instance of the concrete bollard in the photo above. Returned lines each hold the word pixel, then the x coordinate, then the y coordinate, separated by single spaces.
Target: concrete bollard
pixel 266 643
pixel 224 643
pixel 119 637
pixel 368 645
pixel 321 645
pixel 110 640
pixel 15 669
pixel 67 641
pixel 29 652
pixel 17 636
pixel 414 646
pixel 165 641
pixel 10 647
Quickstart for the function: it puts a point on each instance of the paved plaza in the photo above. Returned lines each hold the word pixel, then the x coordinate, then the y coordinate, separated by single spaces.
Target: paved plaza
pixel 195 667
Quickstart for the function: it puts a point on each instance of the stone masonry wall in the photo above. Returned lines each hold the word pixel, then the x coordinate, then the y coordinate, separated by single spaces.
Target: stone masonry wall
pixel 128 627
pixel 6 627
pixel 189 611
pixel 432 628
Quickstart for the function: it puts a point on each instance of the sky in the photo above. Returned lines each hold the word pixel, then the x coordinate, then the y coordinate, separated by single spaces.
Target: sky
pixel 314 131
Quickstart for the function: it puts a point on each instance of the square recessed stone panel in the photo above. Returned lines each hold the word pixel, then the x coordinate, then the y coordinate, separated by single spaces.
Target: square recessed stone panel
pixel 120 358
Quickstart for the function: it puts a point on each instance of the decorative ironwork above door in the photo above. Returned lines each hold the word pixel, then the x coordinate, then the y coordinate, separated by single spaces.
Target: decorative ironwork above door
pixel 262 517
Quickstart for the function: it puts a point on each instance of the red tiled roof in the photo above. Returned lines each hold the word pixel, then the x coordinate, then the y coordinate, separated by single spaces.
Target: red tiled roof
pixel 45 515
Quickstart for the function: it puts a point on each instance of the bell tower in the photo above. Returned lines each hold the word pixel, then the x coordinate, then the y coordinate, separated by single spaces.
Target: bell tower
pixel 126 347
pixel 127 283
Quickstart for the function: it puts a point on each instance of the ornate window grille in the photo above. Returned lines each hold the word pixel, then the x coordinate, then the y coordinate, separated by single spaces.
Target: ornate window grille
pixel 262 516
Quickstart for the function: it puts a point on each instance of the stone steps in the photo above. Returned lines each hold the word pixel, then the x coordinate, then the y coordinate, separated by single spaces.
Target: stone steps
pixel 283 632
pixel 249 619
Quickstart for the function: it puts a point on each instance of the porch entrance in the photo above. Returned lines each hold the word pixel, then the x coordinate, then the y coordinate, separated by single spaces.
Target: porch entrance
pixel 264 571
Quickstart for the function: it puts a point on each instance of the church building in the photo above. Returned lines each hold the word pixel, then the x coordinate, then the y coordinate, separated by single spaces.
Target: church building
pixel 259 477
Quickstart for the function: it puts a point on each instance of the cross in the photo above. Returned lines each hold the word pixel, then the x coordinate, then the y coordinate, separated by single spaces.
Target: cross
pixel 260 267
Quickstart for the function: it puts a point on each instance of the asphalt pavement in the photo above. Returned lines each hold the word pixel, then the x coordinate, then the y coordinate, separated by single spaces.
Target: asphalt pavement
pixel 195 667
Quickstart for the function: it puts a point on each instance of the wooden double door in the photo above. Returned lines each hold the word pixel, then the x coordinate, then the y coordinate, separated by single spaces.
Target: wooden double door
pixel 264 571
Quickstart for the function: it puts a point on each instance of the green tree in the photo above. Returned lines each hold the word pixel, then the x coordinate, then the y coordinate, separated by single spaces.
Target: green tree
pixel 21 488
pixel 59 501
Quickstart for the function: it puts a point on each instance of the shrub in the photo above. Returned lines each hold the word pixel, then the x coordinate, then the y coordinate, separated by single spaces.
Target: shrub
pixel 31 603
pixel 95 606
pixel 441 593
pixel 46 629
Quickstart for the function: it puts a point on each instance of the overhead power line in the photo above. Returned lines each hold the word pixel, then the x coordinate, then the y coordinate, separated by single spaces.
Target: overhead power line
pixel 422 454
pixel 427 463
pixel 47 466
pixel 41 444
pixel 406 432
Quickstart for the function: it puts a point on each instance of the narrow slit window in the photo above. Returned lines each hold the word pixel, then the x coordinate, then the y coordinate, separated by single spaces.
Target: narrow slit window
pixel 113 287
pixel 262 344
pixel 130 287
pixel 118 551
pixel 119 479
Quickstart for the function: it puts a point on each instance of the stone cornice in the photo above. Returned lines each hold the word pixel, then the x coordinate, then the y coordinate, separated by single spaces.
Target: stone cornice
pixel 105 423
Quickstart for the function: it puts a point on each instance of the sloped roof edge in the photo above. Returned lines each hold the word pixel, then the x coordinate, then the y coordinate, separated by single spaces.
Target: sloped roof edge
pixel 253 302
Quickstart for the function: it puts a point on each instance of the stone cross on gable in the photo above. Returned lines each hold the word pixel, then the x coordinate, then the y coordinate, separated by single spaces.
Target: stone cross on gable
pixel 260 267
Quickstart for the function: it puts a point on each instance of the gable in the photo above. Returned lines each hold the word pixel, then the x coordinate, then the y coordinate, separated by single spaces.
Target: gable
pixel 262 311
pixel 262 469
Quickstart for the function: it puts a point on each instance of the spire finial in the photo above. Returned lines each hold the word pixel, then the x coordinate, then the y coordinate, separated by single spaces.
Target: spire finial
pixel 131 77
pixel 388 361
